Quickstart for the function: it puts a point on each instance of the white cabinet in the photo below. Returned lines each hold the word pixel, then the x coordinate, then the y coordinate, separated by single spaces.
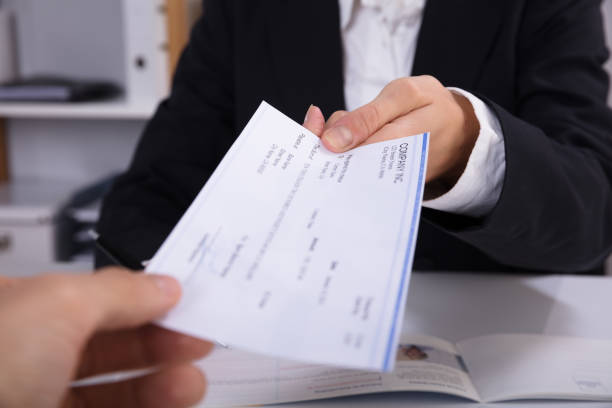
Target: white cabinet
pixel 27 221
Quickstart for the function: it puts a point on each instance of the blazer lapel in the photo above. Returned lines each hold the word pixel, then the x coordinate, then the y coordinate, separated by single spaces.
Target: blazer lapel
pixel 306 53
pixel 455 40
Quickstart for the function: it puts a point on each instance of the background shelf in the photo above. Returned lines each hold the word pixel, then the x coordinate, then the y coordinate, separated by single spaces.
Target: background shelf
pixel 112 109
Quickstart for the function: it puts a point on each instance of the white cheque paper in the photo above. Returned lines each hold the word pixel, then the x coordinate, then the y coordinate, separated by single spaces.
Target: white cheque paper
pixel 293 251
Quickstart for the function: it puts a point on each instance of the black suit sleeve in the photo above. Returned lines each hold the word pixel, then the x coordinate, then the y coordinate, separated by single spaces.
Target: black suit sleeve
pixel 555 209
pixel 180 146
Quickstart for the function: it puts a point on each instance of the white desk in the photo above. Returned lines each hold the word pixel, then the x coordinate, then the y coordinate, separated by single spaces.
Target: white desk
pixel 456 306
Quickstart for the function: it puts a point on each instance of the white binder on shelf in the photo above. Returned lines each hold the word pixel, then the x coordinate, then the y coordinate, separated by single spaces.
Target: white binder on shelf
pixel 146 54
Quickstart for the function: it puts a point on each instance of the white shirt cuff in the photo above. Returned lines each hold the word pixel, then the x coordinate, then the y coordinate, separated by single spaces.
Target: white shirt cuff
pixel 479 187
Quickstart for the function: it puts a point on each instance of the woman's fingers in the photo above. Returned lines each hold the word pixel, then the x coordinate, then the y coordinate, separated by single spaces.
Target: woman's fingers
pixel 335 117
pixel 139 348
pixel 443 153
pixel 314 120
pixel 173 387
pixel 416 122
pixel 6 282
pixel 398 98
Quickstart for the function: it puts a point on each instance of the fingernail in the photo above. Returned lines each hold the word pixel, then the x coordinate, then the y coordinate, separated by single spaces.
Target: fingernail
pixel 169 286
pixel 339 137
pixel 308 114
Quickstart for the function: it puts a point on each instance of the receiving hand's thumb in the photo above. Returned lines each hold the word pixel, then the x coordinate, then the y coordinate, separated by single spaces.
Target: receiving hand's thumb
pixel 123 299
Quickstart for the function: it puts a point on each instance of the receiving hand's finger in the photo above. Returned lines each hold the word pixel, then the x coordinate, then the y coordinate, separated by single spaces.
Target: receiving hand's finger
pixel 139 348
pixel 114 298
pixel 6 282
pixel 314 120
pixel 179 386
pixel 396 99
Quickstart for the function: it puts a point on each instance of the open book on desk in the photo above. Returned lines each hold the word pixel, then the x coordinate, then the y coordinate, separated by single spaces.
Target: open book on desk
pixel 487 369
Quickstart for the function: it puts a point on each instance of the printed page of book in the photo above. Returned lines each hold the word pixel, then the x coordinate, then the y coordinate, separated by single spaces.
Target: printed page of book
pixel 296 252
pixel 422 364
pixel 523 366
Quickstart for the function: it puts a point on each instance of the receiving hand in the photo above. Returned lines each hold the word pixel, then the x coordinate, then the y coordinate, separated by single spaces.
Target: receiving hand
pixel 407 106
pixel 57 328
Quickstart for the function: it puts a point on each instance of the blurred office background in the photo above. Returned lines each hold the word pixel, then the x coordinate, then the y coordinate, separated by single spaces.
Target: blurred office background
pixel 56 158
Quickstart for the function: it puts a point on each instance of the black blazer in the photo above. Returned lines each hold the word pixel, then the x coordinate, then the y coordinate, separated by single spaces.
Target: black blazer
pixel 536 63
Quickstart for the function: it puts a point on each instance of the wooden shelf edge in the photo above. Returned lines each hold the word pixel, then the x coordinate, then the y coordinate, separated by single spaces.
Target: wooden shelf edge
pixel 177 25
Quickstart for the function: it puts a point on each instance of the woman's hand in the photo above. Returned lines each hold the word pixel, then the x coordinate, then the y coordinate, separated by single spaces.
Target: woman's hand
pixel 407 106
pixel 57 328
